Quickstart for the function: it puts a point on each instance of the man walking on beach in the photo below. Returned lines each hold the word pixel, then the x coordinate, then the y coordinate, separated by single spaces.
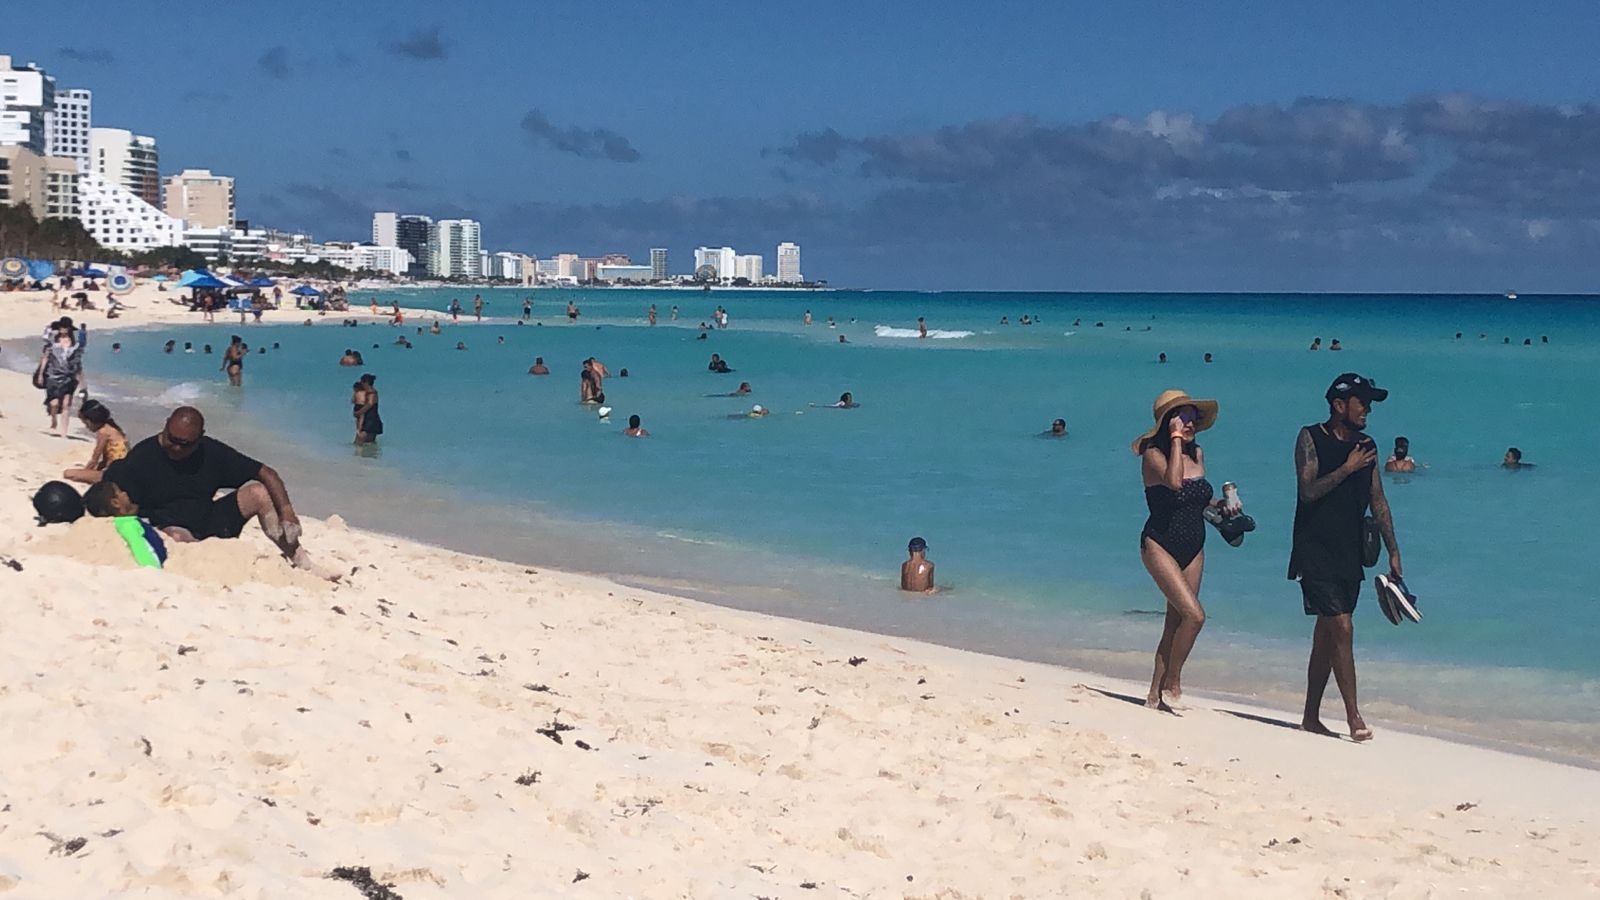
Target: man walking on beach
pixel 1338 477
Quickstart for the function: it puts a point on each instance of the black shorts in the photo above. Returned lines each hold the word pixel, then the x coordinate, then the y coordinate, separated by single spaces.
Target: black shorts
pixel 1329 597
pixel 223 521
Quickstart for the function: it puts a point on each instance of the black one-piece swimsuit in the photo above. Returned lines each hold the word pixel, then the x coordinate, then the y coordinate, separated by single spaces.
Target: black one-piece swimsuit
pixel 1176 522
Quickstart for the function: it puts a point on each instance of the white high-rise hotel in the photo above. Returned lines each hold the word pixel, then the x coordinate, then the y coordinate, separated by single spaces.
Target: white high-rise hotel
pixel 27 97
pixel 789 262
pixel 454 249
pixel 67 127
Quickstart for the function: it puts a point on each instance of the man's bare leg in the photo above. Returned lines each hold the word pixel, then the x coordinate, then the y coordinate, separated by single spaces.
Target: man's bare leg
pixel 1344 674
pixel 1317 672
pixel 254 502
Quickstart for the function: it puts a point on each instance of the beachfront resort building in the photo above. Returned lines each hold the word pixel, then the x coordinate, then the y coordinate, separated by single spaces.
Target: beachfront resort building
pixel 509 266
pixel 128 159
pixel 67 126
pixel 747 266
pixel 118 219
pixel 356 257
pixel 720 259
pixel 227 243
pixel 385 229
pixel 27 96
pixel 789 263
pixel 200 198
pixel 454 248
pixel 658 264
pixel 413 235
pixel 628 273
pixel 410 233
pixel 47 185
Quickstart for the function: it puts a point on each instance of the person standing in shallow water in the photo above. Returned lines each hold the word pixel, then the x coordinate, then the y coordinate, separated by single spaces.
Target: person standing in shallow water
pixel 1172 544
pixel 1338 479
pixel 916 573
pixel 369 424
pixel 233 360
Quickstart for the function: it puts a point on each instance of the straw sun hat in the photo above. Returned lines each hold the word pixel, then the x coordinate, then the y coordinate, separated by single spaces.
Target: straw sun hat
pixel 1169 400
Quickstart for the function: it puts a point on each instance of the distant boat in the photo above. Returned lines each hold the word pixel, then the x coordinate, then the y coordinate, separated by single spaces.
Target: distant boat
pixel 1511 295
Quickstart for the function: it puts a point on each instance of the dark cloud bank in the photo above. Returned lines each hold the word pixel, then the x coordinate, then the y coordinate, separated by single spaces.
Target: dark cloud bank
pixel 1444 192
pixel 588 143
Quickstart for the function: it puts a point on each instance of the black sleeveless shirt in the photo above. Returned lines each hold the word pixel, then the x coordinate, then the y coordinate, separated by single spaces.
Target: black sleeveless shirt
pixel 1327 531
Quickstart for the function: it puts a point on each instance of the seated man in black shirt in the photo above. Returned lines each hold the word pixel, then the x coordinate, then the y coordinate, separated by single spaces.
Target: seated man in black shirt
pixel 173 479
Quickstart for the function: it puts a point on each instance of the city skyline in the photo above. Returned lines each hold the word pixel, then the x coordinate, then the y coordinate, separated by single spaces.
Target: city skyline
pixel 1227 148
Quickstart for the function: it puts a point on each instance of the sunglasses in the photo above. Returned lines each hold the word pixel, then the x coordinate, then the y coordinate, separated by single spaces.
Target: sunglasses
pixel 1188 416
pixel 171 441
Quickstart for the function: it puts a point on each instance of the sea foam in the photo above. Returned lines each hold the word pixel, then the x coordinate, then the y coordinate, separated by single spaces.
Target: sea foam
pixel 892 332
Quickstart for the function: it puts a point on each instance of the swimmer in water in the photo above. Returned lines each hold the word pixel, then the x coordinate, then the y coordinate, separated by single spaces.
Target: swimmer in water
pixel 718 365
pixel 1161 358
pixel 349 358
pixel 1316 343
pixel 744 388
pixel 435 329
pixel 916 573
pixel 1208 357
pixel 846 401
pixel 538 367
pixel 843 339
pixel 1058 428
pixel 1334 346
pixel 1401 460
pixel 634 429
pixel 1513 460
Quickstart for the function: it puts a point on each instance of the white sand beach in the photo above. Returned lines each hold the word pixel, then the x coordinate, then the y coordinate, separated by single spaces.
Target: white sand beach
pixel 463 727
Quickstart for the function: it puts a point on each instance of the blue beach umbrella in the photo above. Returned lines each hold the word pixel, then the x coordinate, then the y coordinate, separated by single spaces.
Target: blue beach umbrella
pixel 119 283
pixel 205 280
pixel 306 290
pixel 261 281
pixel 13 269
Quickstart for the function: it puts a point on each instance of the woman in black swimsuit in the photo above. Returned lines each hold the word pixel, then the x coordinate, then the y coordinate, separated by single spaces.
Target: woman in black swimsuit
pixel 1173 541
pixel 365 400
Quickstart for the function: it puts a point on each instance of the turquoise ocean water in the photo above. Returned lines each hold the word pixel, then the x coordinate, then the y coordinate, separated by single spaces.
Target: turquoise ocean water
pixel 807 511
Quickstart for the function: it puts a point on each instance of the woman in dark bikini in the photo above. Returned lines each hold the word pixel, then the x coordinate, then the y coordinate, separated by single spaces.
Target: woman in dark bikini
pixel 364 399
pixel 1172 544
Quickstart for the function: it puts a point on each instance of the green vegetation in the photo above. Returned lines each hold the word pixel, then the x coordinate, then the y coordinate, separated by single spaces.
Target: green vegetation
pixel 54 238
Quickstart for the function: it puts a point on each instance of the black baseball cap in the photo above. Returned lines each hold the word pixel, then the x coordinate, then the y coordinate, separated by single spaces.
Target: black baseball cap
pixel 917 544
pixel 1352 385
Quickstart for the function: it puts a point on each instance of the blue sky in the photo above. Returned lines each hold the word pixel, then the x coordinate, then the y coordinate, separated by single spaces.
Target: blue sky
pixel 1050 146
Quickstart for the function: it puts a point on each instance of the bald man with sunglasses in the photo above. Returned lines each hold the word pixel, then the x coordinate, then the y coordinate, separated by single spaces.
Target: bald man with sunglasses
pixel 174 478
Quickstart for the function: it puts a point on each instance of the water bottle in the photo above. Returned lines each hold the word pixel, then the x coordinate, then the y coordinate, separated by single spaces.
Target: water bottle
pixel 1230 499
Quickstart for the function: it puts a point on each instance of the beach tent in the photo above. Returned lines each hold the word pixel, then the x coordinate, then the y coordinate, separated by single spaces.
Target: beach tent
pixel 189 275
pixel 306 290
pixel 261 281
pixel 204 280
pixel 88 272
pixel 40 269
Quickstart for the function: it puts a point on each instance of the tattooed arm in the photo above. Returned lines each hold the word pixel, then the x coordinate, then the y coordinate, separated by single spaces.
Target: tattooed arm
pixel 1380 512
